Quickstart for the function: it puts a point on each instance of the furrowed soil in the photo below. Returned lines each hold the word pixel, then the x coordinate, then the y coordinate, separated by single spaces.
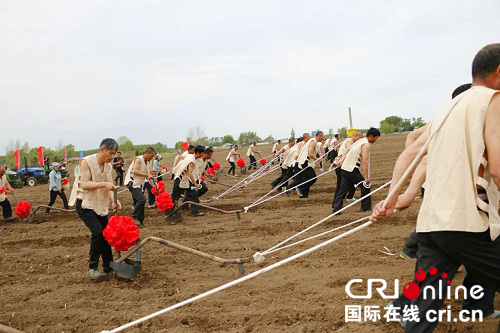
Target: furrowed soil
pixel 45 287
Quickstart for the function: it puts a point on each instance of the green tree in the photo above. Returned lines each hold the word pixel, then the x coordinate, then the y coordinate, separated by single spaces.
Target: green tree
pixel 127 146
pixel 228 139
pixel 292 133
pixel 178 145
pixel 417 122
pixel 269 139
pixel 343 132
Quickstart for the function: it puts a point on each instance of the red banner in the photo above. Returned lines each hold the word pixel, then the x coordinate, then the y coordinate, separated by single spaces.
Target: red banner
pixel 65 155
pixel 18 160
pixel 40 155
pixel 185 146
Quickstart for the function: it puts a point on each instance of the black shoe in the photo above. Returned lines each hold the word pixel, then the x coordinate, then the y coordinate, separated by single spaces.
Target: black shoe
pixel 333 212
pixel 366 210
pixel 108 270
pixel 195 211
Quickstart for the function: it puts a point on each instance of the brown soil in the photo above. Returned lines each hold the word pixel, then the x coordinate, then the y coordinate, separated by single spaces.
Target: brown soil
pixel 45 287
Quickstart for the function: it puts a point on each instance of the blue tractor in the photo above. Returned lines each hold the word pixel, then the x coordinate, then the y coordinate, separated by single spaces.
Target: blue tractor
pixel 33 176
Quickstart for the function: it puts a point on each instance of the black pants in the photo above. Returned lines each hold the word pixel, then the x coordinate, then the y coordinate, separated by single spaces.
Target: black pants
pixel 232 168
pixel 411 245
pixel 308 175
pixel 119 176
pixel 53 196
pixel 176 190
pixel 98 244
pixel 351 191
pixel 447 250
pixel 203 189
pixel 299 176
pixel 6 208
pixel 350 180
pixel 279 180
pixel 151 197
pixel 253 162
pixel 139 203
pixel 332 155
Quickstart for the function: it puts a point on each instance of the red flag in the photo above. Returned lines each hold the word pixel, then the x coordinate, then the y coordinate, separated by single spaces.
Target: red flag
pixel 185 146
pixel 65 156
pixel 40 155
pixel 18 160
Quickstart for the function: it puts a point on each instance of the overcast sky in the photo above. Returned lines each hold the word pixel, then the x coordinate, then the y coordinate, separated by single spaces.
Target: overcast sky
pixel 84 70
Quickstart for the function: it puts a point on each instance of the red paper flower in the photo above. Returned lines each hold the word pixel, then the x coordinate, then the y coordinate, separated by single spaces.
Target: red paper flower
pixel 216 166
pixel 23 209
pixel 202 178
pixel 210 171
pixel 161 189
pixel 240 163
pixel 121 233
pixel 164 169
pixel 2 190
pixel 263 161
pixel 65 181
pixel 164 202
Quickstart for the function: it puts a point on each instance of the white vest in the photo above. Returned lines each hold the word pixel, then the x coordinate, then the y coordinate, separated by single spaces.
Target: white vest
pixel 343 147
pixel 354 154
pixel 250 151
pixel 454 156
pixel 200 166
pixel 137 181
pixel 3 183
pixel 304 152
pixel 182 167
pixel 230 156
pixel 291 157
pixel 96 200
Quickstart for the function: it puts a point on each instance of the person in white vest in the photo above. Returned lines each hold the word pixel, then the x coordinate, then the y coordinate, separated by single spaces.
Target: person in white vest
pixel 284 152
pixel 344 148
pixel 333 149
pixel 276 148
pixel 231 158
pixel 302 150
pixel 201 164
pixel 139 172
pixel 311 156
pixel 357 157
pixel 185 183
pixel 5 189
pixel 458 222
pixel 252 150
pixel 95 188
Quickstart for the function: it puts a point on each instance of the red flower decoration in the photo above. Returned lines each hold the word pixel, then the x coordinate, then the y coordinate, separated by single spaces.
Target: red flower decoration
pixel 161 189
pixel 2 190
pixel 210 171
pixel 164 202
pixel 216 166
pixel 65 181
pixel 202 178
pixel 240 163
pixel 164 169
pixel 263 161
pixel 23 209
pixel 121 233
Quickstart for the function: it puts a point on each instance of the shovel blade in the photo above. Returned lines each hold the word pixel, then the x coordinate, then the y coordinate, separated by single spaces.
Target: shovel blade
pixel 126 270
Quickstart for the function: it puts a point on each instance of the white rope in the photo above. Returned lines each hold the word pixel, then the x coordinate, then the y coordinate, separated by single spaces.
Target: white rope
pixel 318 235
pixel 284 191
pixel 274 168
pixel 325 219
pixel 238 184
pixel 274 189
pixel 238 281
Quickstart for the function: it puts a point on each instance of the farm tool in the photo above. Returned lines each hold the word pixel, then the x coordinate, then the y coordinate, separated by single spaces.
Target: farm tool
pixel 126 268
pixel 32 218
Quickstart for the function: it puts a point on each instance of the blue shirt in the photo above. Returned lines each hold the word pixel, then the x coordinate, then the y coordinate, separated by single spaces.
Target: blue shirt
pixel 156 166
pixel 54 181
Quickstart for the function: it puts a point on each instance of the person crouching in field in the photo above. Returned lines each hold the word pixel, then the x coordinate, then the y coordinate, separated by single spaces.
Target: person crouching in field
pixel 358 156
pixel 231 158
pixel 185 183
pixel 95 188
pixel 252 150
pixel 4 202
pixel 286 160
pixel 140 171
pixel 55 188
